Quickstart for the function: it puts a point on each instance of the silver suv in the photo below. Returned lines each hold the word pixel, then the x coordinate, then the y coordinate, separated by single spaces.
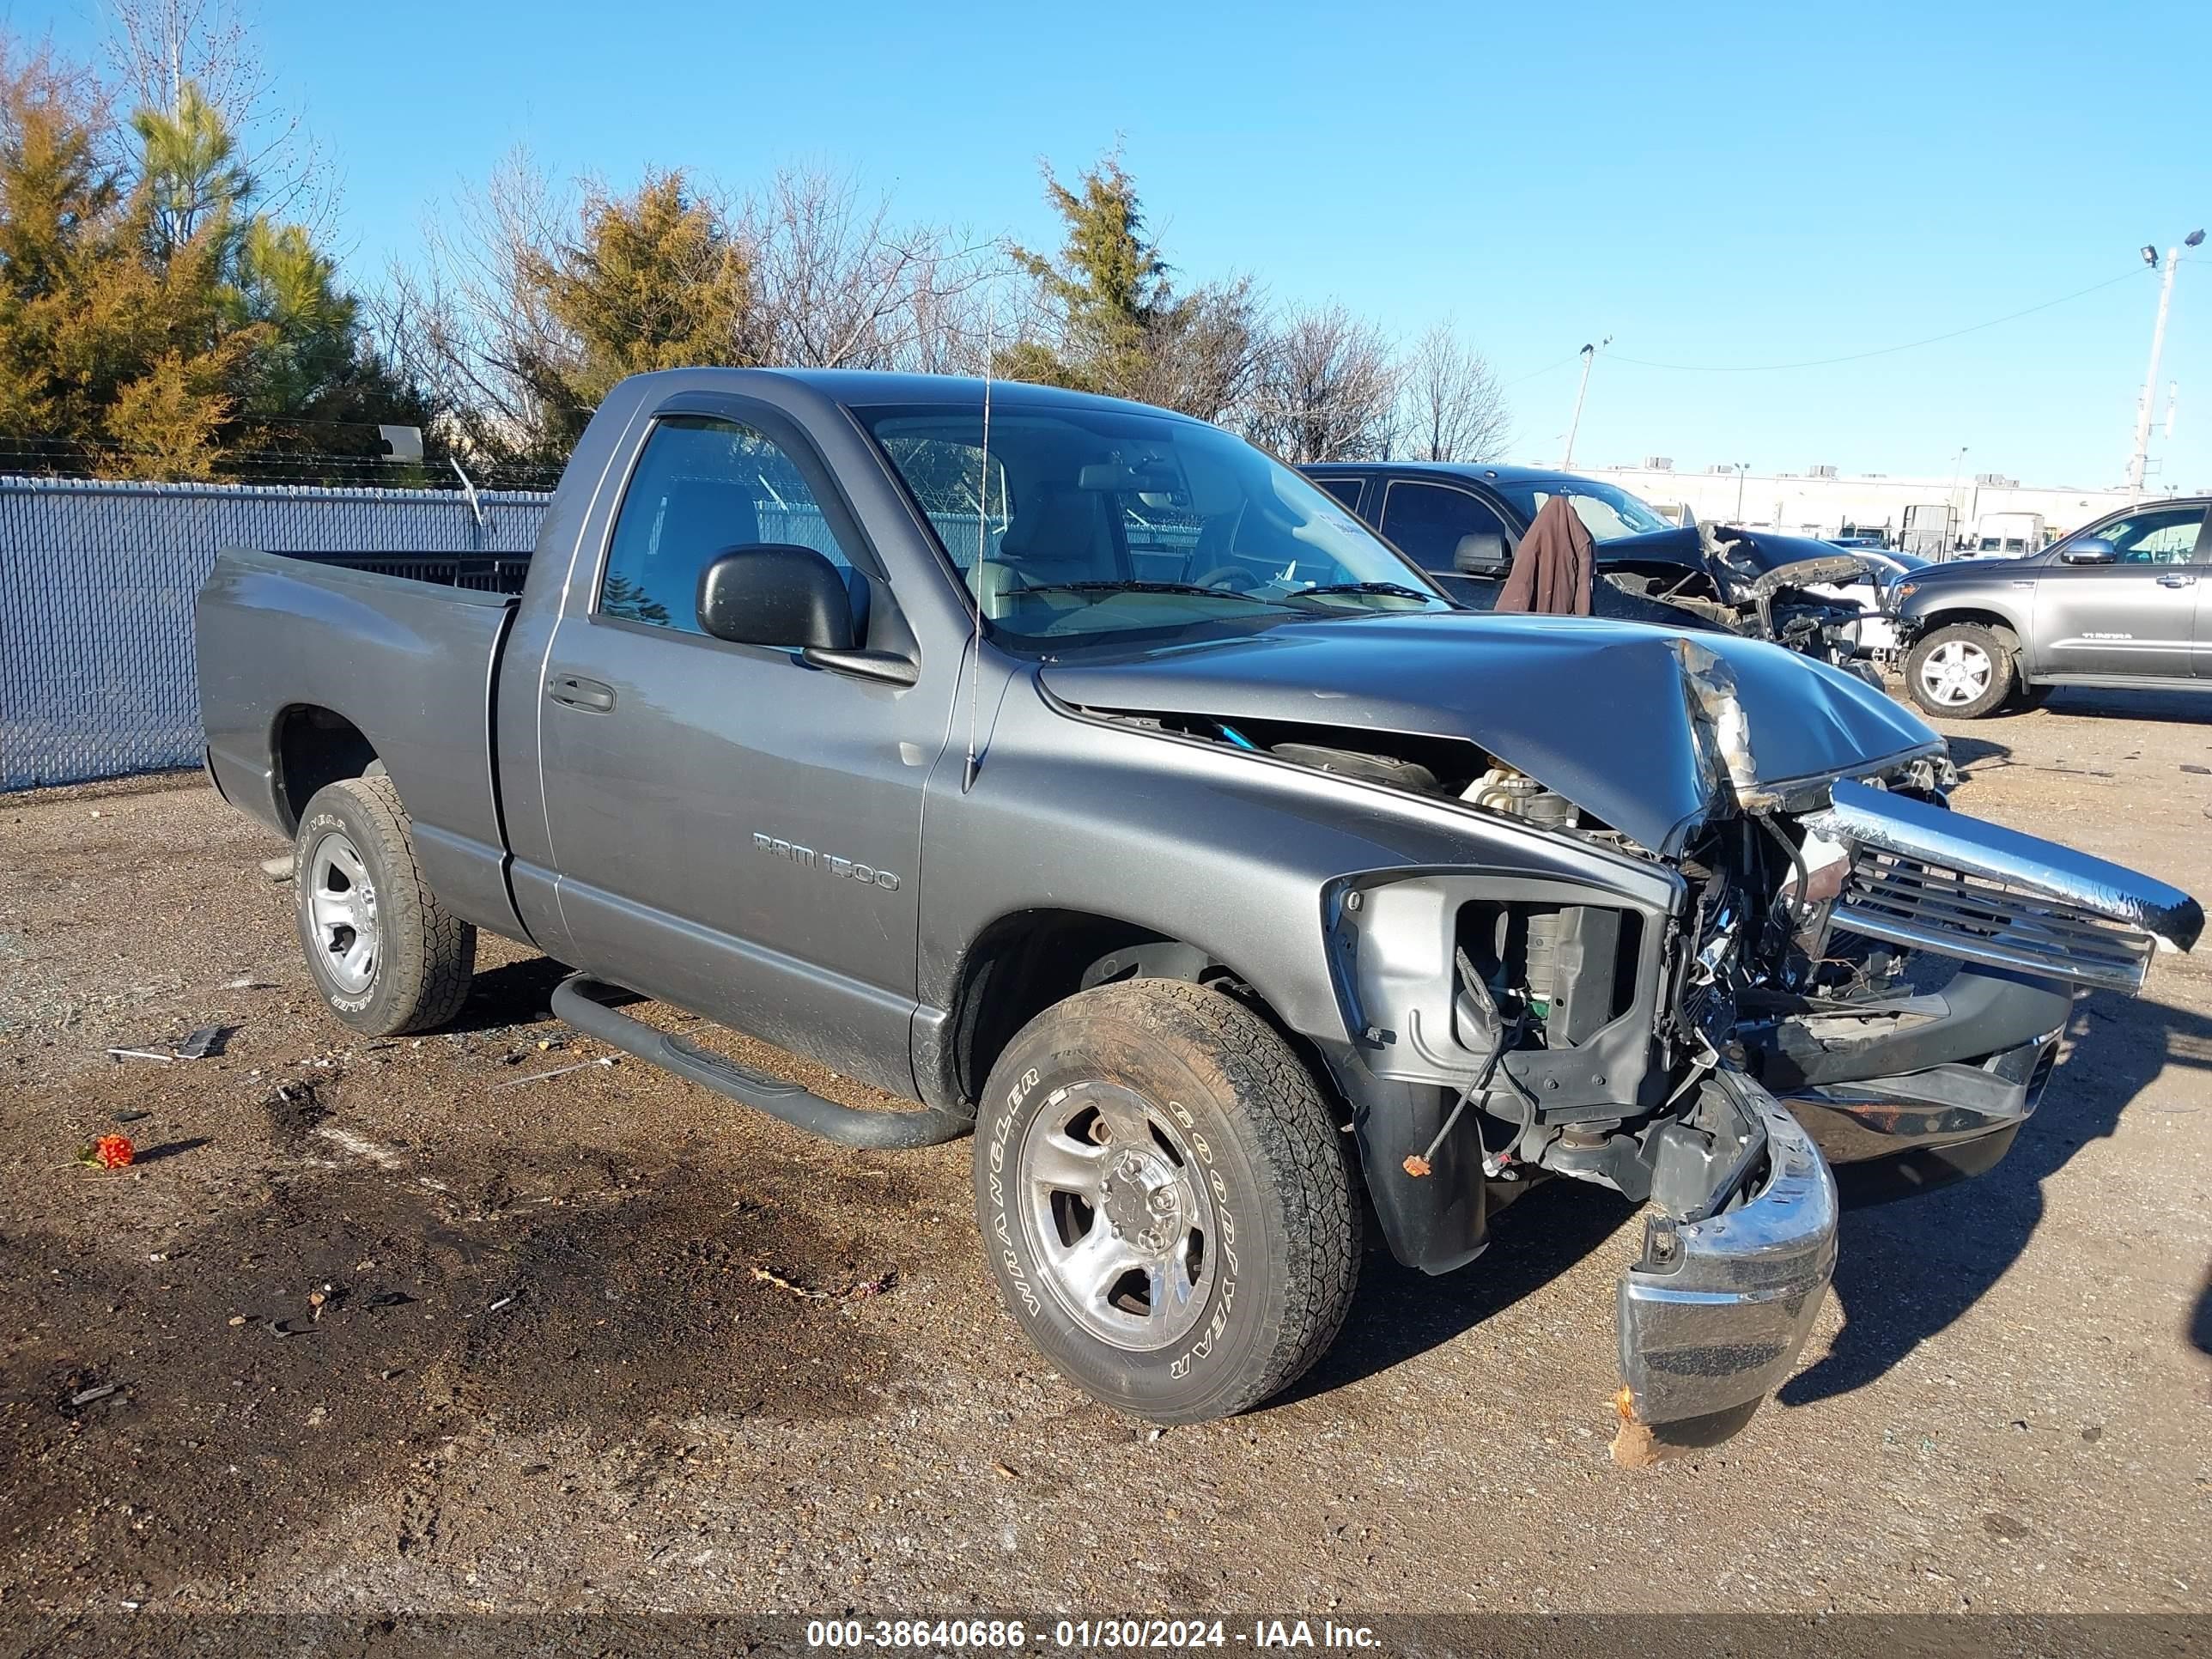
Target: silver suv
pixel 2124 601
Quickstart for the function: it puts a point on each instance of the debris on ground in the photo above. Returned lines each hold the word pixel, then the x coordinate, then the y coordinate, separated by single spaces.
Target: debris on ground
pixel 557 1071
pixel 205 1043
pixel 867 1287
pixel 108 1152
pixel 85 1397
pixel 1634 1446
pixel 295 1109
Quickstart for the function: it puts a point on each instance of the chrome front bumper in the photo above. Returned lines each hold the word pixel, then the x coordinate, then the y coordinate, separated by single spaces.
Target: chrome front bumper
pixel 1713 1314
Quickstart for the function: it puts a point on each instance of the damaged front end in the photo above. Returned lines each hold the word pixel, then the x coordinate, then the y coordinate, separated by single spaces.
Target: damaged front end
pixel 1721 948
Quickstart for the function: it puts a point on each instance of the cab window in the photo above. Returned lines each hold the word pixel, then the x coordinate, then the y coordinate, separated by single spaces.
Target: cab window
pixel 1426 520
pixel 702 487
pixel 2158 536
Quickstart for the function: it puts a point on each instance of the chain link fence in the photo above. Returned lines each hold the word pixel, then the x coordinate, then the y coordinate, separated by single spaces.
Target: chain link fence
pixel 96 586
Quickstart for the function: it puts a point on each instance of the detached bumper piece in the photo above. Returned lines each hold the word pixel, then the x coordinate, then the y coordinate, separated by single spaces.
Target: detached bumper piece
pixel 1713 1315
pixel 1925 876
pixel 1910 1094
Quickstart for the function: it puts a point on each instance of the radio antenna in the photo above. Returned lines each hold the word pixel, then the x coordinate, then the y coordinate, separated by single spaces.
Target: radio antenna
pixel 982 549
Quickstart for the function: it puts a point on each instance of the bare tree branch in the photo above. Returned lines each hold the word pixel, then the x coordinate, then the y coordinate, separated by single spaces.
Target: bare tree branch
pixel 1327 389
pixel 1454 408
pixel 154 46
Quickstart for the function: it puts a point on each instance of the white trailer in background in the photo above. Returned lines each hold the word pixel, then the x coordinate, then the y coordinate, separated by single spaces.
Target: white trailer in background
pixel 2006 535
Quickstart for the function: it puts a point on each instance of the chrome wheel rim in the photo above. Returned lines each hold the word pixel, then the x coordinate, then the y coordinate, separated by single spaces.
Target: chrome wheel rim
pixel 1956 672
pixel 1118 1215
pixel 342 911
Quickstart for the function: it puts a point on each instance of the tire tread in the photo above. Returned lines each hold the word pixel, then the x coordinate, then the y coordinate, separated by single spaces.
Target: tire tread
pixel 431 950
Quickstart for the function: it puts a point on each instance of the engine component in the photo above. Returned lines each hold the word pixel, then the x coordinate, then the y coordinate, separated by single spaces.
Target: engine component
pixel 1357 763
pixel 1501 789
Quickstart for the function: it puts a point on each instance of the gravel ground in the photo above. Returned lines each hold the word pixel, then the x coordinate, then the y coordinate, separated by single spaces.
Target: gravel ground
pixel 591 1339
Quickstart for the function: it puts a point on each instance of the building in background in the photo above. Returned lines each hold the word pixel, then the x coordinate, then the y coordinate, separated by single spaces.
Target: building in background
pixel 1823 502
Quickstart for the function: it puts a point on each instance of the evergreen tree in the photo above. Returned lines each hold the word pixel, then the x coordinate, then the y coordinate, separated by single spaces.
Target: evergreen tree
pixel 151 321
pixel 1116 323
pixel 653 280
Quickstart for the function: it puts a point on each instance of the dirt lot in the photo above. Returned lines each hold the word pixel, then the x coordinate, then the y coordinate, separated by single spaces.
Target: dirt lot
pixel 599 1340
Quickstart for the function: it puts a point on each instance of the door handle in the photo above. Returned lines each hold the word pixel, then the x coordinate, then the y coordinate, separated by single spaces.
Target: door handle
pixel 2177 582
pixel 577 692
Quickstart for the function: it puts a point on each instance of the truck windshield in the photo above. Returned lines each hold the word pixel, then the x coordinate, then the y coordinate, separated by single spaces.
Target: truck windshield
pixel 1095 522
pixel 1607 512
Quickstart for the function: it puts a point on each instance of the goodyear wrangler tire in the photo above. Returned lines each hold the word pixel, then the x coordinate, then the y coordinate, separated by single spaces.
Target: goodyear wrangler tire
pixel 1165 1199
pixel 380 948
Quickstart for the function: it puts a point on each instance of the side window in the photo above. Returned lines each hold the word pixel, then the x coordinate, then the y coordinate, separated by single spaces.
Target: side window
pixel 703 487
pixel 1427 521
pixel 1345 489
pixel 2166 536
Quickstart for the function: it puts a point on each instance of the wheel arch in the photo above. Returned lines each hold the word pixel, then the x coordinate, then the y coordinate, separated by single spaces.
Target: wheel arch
pixel 2008 628
pixel 310 746
pixel 1025 961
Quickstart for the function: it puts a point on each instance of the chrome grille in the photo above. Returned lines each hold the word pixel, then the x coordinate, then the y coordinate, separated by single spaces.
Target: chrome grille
pixel 1954 912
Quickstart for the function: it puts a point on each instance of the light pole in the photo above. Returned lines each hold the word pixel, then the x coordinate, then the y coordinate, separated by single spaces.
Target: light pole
pixel 2140 459
pixel 1589 355
pixel 1958 466
pixel 1741 467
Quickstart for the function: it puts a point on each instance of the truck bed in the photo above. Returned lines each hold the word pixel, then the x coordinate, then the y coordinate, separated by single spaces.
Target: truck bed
pixel 479 573
pixel 402 649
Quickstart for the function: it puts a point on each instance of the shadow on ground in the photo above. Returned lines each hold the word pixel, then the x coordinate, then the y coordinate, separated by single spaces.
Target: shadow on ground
pixel 1400 1312
pixel 2180 708
pixel 515 995
pixel 1968 753
pixel 1908 1271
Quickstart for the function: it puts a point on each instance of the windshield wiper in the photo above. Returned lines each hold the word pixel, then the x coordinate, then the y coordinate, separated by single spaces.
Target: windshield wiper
pixel 1138 585
pixel 1393 590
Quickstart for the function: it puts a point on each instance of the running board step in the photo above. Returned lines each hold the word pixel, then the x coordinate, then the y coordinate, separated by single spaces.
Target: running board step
pixel 581 1000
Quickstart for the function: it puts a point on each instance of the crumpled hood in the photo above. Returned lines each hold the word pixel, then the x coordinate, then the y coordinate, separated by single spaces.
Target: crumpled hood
pixel 1596 710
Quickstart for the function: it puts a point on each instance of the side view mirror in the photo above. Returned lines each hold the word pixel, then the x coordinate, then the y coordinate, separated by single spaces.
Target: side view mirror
pixel 1481 554
pixel 2090 549
pixel 777 594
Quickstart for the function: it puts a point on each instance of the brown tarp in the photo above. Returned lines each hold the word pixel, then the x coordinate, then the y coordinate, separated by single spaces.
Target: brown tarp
pixel 1551 571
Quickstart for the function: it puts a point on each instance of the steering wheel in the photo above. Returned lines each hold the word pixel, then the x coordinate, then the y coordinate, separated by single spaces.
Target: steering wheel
pixel 1233 576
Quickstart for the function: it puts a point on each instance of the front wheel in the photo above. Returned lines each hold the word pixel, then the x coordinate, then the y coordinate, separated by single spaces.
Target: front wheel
pixel 1165 1199
pixel 386 955
pixel 1961 672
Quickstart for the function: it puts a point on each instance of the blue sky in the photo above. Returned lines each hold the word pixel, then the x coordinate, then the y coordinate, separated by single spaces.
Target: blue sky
pixel 1710 185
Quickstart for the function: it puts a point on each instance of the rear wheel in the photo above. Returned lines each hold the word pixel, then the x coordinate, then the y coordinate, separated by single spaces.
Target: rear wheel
pixel 1165 1199
pixel 382 950
pixel 1960 672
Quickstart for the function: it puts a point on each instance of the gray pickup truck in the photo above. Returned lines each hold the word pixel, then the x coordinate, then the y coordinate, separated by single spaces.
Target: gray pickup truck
pixel 1083 776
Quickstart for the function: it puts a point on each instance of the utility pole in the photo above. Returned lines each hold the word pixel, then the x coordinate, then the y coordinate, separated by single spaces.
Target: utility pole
pixel 2145 406
pixel 1589 355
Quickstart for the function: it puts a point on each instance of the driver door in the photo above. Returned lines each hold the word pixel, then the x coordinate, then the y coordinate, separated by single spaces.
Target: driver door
pixel 734 831
pixel 2135 615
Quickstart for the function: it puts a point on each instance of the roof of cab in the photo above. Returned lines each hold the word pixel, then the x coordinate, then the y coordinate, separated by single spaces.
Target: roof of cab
pixel 860 388
pixel 1484 471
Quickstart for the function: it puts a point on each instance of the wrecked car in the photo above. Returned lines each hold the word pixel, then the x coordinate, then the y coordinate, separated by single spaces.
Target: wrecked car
pixel 1078 773
pixel 1462 523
